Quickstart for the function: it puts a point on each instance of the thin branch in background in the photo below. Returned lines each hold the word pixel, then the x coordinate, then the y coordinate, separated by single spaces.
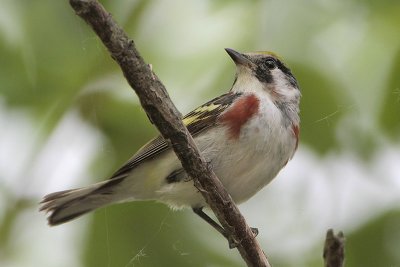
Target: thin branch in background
pixel 334 249
pixel 163 113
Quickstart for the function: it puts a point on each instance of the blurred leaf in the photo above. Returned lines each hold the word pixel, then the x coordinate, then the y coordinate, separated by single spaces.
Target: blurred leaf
pixel 124 122
pixel 135 15
pixel 146 234
pixel 7 222
pixel 320 109
pixel 376 243
pixel 390 116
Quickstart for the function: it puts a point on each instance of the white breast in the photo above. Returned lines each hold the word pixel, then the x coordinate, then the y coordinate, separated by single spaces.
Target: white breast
pixel 264 147
pixel 244 165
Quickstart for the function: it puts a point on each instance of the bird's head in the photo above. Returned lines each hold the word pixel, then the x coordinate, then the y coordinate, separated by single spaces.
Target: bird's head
pixel 265 72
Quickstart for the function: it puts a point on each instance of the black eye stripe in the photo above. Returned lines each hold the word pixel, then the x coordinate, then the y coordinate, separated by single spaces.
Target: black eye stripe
pixel 266 64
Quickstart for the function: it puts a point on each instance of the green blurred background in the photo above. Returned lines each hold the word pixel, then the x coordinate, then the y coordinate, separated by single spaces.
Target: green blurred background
pixel 68 118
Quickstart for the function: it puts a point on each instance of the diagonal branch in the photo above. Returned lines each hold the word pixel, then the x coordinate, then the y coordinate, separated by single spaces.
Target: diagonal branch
pixel 162 112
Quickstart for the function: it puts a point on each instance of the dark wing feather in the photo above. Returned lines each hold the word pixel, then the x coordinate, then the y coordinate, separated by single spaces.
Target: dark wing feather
pixel 196 121
pixel 149 150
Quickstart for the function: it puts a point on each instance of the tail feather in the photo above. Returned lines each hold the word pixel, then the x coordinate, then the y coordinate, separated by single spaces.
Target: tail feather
pixel 70 204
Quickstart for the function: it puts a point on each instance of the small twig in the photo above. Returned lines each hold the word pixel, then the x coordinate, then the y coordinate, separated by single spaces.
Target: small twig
pixel 334 249
pixel 160 109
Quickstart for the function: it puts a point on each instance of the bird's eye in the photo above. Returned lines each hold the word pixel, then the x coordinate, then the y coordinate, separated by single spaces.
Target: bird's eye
pixel 271 64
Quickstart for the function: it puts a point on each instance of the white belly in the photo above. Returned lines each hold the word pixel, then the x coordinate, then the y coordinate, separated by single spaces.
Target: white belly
pixel 256 159
pixel 244 165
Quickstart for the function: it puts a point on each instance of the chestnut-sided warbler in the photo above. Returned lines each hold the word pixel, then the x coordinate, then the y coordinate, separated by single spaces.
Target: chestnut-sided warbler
pixel 247 135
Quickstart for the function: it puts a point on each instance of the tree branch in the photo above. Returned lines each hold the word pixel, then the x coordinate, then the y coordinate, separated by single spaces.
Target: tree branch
pixel 162 112
pixel 334 249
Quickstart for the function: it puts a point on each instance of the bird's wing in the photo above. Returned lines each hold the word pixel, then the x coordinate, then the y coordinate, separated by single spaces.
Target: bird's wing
pixel 197 121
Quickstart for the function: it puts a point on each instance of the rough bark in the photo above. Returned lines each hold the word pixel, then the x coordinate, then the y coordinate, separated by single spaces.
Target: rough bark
pixel 334 249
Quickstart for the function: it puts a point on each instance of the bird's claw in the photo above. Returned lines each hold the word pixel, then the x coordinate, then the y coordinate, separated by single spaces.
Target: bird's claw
pixel 233 243
pixel 255 231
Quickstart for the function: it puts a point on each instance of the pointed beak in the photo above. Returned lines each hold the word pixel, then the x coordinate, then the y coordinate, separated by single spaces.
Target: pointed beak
pixel 238 58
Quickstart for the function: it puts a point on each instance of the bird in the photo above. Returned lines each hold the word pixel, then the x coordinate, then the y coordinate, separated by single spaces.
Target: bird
pixel 247 136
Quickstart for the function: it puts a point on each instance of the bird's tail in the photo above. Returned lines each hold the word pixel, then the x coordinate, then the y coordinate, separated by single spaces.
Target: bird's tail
pixel 70 204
